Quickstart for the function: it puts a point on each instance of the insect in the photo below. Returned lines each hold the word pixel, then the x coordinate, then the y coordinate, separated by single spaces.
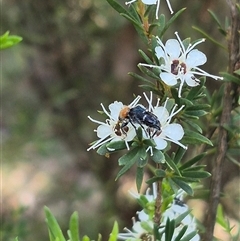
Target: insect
pixel 140 115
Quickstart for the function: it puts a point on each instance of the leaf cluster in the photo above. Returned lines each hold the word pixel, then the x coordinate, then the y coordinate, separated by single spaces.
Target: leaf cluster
pixel 56 234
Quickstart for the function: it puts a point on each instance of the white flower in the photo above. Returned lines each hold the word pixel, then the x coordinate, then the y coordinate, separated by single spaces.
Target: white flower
pixel 177 208
pixel 172 132
pixel 140 231
pixel 180 63
pixel 153 2
pixel 110 130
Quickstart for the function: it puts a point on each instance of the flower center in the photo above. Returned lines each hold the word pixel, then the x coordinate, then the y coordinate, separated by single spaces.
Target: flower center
pixel 120 131
pixel 177 67
pixel 146 237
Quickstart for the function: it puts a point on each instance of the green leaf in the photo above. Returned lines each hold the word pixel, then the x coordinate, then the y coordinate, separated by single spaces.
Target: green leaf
pixel 7 41
pixel 196 174
pixel 237 72
pixel 179 219
pixel 139 178
pixel 86 238
pixel 102 150
pixel 214 16
pixel 145 57
pixel 160 173
pixel 118 7
pixel 192 137
pixel 196 90
pixel 192 161
pixel 193 125
pixel 134 14
pixel 134 75
pixel 55 231
pixel 198 107
pixel 220 219
pixel 158 156
pixel 209 37
pixel 116 145
pixel 172 165
pixel 171 20
pixel 74 234
pixel 189 236
pixel 148 72
pixel 179 155
pixel 99 237
pixel 169 229
pixel 128 156
pixel 195 112
pixel 150 181
pixel 195 168
pixel 114 234
pixel 128 161
pixel 185 186
pixel 181 233
pixel 230 78
pixel 142 161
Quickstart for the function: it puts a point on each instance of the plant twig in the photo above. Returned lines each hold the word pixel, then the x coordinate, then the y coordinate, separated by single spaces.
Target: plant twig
pixel 230 89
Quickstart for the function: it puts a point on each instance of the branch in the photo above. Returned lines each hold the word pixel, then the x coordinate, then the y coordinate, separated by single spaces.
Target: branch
pixel 228 99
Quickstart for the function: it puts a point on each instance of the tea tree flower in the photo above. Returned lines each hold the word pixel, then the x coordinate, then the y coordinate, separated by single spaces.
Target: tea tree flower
pixel 153 2
pixel 180 63
pixel 172 132
pixel 110 130
pixel 177 208
pixel 141 230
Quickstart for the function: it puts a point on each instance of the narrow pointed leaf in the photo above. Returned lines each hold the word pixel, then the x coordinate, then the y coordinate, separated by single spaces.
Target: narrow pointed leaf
pixel 209 37
pixel 53 226
pixel 74 227
pixel 230 78
pixel 193 161
pixel 118 7
pixel 196 174
pixel 183 185
pixel 114 234
pixel 192 137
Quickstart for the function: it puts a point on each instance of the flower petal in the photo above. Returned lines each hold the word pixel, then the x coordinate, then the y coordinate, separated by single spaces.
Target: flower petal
pixel 115 108
pixel 168 78
pixel 191 80
pixel 103 131
pixel 173 48
pixel 162 114
pixel 149 2
pixel 195 58
pixel 160 143
pixel 160 53
pixel 174 131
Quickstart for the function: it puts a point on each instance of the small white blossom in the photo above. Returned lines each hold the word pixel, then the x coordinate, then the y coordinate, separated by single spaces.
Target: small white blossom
pixel 153 2
pixel 180 63
pixel 177 208
pixel 110 130
pixel 172 132
pixel 140 231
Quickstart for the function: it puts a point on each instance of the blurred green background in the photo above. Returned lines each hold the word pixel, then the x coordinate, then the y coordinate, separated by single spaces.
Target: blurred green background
pixel 74 56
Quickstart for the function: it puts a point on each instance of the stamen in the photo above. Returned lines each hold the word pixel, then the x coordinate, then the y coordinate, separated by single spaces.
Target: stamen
pixel 130 2
pixel 99 143
pixel 176 142
pixel 105 111
pixel 169 6
pixel 150 65
pixel 135 101
pixel 157 9
pixel 96 121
